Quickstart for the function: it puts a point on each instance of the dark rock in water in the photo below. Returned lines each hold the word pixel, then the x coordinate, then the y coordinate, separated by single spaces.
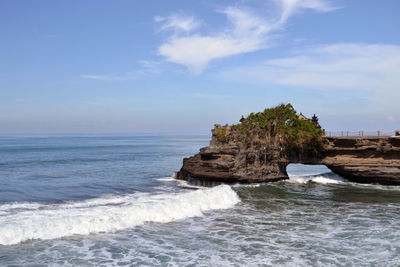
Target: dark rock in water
pixel 262 156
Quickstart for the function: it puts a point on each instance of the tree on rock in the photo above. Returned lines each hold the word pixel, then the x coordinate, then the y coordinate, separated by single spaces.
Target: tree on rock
pixel 314 119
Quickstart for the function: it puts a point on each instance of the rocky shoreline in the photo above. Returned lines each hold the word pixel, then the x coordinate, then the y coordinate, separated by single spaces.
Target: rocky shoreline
pixel 255 156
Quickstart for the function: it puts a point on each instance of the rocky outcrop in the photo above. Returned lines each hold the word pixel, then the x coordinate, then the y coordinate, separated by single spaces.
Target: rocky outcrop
pixel 247 158
pixel 364 160
pixel 259 156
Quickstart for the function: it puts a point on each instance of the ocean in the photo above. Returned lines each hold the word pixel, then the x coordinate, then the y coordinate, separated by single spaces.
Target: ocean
pixel 102 200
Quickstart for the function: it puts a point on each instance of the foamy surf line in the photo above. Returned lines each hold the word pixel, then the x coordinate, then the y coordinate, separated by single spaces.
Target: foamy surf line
pixel 322 178
pixel 166 179
pixel 110 214
pixel 331 178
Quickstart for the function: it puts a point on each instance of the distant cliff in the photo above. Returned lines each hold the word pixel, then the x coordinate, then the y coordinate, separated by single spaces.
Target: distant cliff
pixel 263 144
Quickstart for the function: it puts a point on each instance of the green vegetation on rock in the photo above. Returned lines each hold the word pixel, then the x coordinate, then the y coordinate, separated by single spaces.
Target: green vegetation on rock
pixel 299 135
pixel 220 134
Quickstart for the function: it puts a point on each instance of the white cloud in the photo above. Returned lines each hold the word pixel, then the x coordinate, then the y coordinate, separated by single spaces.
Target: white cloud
pixel 196 52
pixel 177 23
pixel 247 32
pixel 291 7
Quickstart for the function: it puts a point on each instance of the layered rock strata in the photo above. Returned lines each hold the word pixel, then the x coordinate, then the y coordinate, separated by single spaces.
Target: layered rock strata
pixel 364 160
pixel 257 156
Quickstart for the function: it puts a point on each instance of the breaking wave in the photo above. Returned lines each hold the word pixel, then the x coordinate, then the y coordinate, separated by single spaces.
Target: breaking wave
pixel 323 178
pixel 25 221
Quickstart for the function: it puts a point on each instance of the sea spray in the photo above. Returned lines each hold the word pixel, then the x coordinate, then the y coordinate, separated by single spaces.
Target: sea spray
pixel 109 214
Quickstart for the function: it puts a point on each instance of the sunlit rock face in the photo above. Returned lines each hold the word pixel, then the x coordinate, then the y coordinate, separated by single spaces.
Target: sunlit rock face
pixel 364 160
pixel 262 156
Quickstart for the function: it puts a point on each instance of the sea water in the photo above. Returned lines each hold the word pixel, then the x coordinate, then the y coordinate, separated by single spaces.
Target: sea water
pixel 113 201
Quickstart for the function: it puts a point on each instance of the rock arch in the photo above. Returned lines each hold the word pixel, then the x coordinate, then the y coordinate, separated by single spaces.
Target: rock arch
pixel 253 159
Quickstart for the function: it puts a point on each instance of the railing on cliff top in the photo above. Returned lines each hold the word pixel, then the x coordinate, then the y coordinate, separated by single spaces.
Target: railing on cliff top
pixel 359 133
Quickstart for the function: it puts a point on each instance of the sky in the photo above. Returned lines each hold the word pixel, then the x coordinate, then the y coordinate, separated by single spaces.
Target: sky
pixel 179 67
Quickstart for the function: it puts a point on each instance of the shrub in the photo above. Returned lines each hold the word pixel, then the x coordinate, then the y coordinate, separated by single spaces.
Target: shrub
pixel 301 136
pixel 220 134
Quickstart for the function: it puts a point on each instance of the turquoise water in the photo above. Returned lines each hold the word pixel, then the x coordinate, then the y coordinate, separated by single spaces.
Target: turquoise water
pixel 111 201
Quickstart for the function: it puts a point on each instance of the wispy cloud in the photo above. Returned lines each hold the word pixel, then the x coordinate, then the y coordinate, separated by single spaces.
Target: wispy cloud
pixel 373 68
pixel 292 7
pixel 345 66
pixel 149 67
pixel 177 23
pixel 247 32
pixel 110 77
pixel 145 67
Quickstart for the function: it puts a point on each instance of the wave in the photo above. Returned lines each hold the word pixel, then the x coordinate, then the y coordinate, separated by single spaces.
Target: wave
pixel 166 179
pixel 26 221
pixel 332 178
pixel 323 178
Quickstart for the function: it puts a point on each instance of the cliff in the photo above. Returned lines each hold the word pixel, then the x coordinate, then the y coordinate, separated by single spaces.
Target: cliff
pixel 364 160
pixel 246 158
pixel 262 155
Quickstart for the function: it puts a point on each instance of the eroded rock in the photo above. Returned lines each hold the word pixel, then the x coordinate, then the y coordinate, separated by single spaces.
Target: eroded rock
pixel 258 156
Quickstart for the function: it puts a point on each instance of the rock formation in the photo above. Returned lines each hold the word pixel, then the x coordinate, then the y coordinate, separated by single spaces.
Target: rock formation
pixel 262 155
pixel 365 159
pixel 244 158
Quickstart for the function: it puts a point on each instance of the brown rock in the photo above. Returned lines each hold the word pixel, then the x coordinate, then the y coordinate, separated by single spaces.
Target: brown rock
pixel 259 156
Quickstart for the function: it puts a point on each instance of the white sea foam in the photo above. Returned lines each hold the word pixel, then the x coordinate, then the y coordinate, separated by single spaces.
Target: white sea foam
pixel 186 184
pixel 331 178
pixel 321 179
pixel 166 179
pixel 247 185
pixel 110 214
pixel 180 183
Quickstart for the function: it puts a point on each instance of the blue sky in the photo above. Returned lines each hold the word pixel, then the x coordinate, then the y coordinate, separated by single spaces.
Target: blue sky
pixel 181 66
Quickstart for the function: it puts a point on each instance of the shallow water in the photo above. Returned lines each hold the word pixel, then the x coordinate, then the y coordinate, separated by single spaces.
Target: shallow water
pixel 110 200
